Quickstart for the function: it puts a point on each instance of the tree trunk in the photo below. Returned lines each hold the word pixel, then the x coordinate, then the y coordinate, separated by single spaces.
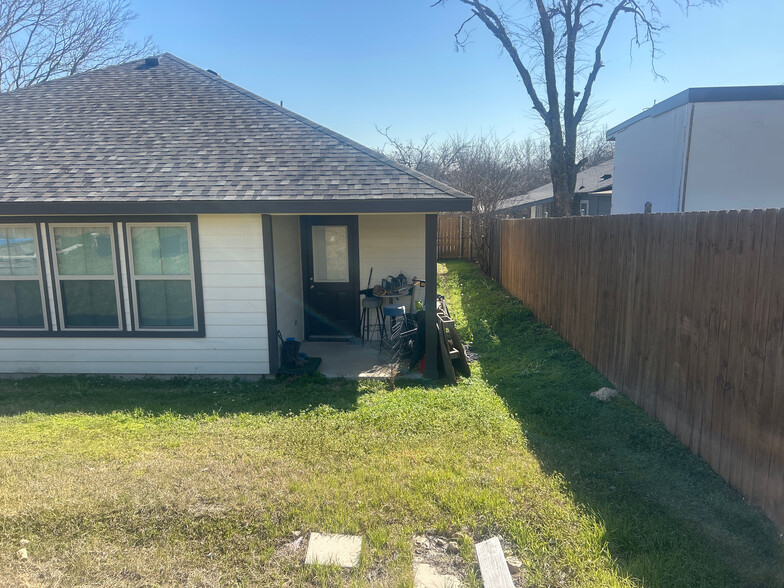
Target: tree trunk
pixel 563 173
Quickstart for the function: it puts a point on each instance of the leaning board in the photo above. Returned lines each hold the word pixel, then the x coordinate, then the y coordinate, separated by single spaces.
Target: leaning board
pixel 492 564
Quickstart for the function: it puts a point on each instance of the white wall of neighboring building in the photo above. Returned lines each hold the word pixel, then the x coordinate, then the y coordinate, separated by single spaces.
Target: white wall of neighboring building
pixel 235 318
pixel 736 156
pixel 649 160
pixel 721 155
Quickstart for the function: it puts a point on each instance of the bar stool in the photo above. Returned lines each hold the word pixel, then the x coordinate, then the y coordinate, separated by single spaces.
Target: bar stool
pixel 369 303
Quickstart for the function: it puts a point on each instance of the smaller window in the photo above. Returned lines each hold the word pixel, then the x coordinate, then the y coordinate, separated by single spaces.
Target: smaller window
pixel 86 276
pixel 21 287
pixel 161 265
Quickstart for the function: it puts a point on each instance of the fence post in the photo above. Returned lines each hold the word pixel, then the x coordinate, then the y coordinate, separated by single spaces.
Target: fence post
pixel 470 239
pixel 461 236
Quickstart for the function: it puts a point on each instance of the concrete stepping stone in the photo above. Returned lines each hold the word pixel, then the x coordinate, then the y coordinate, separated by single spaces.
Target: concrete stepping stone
pixel 426 576
pixel 342 550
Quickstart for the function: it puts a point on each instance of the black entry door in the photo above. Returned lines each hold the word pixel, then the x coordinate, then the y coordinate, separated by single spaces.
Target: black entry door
pixel 330 262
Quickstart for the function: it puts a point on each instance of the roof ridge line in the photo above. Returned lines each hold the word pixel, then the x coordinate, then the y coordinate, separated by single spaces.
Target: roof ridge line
pixel 75 75
pixel 335 135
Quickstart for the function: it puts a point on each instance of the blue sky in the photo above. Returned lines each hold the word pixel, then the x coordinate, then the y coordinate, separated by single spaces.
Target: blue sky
pixel 352 65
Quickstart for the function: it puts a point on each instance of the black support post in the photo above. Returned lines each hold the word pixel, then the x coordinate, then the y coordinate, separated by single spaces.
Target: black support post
pixel 269 282
pixel 431 287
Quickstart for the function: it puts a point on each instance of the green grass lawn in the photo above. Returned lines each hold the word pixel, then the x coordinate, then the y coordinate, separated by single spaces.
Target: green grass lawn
pixel 195 482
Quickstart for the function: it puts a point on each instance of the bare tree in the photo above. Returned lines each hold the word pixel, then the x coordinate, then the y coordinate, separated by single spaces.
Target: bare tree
pixel 593 148
pixel 557 51
pixel 487 167
pixel 45 39
pixel 436 160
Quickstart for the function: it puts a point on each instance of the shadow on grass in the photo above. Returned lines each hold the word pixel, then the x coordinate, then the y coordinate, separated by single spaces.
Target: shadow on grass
pixel 181 396
pixel 669 519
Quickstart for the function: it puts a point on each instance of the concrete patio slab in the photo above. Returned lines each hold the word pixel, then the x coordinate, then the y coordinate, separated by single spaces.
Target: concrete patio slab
pixel 349 360
pixel 342 550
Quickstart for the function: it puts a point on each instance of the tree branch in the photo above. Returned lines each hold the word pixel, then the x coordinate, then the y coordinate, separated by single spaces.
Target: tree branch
pixel 43 39
pixel 492 21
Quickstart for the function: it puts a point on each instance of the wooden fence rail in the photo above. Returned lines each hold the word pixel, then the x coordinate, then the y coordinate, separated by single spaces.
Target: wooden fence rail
pixel 454 237
pixel 684 313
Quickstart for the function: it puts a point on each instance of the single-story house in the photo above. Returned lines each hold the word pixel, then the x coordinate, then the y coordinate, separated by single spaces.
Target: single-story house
pixel 157 219
pixel 592 196
pixel 703 149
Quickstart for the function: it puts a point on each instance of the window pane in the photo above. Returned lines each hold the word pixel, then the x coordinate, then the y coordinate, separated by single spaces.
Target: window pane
pixel 89 303
pixel 20 304
pixel 160 251
pixel 165 303
pixel 330 253
pixel 18 253
pixel 84 251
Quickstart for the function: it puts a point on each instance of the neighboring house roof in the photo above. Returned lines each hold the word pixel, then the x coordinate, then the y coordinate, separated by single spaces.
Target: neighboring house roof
pixel 176 137
pixel 593 179
pixel 691 95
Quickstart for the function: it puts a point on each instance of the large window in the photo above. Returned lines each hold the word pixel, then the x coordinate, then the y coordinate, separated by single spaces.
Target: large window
pixel 162 276
pixel 86 276
pixel 104 277
pixel 21 286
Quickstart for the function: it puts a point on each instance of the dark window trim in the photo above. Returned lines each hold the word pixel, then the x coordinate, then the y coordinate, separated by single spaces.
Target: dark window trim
pixel 306 223
pixel 134 303
pixel 33 332
pixel 272 301
pixel 200 333
pixel 122 327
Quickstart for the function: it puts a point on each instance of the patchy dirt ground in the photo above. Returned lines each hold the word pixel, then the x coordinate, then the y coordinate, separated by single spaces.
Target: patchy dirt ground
pixel 437 562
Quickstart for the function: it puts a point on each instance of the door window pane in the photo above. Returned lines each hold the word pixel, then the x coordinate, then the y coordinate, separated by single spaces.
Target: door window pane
pixel 18 254
pixel 330 253
pixel 160 251
pixel 84 251
pixel 20 304
pixel 165 303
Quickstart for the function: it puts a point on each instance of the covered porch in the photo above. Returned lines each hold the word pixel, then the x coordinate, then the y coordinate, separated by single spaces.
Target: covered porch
pixel 316 267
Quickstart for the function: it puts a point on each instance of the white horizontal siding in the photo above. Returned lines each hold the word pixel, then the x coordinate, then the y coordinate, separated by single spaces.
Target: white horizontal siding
pixel 246 294
pixel 217 304
pixel 232 262
pixel 163 368
pixel 391 244
pixel 133 344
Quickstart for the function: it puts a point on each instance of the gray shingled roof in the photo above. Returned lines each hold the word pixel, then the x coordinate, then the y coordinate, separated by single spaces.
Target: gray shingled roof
pixel 175 133
pixel 592 179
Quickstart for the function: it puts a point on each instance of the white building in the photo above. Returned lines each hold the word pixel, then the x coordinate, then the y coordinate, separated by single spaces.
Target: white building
pixel 702 149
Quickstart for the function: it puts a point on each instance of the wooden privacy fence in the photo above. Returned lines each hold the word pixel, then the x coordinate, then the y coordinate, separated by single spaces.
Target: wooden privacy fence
pixel 454 236
pixel 683 313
